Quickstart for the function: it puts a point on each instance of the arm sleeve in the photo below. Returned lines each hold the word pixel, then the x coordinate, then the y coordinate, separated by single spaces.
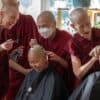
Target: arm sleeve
pixel 4 72
pixel 74 49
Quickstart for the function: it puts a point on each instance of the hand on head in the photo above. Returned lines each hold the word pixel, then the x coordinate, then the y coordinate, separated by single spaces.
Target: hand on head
pixel 37 58
pixel 52 56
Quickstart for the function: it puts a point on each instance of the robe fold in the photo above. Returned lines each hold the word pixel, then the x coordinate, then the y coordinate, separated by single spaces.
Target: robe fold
pixel 4 73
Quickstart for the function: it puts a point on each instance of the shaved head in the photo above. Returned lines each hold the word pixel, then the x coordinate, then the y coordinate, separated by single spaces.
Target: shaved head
pixel 81 22
pixel 9 9
pixel 38 58
pixel 37 50
pixel 9 1
pixel 48 16
pixel 77 13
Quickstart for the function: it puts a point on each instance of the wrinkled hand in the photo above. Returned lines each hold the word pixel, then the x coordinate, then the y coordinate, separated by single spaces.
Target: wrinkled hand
pixel 32 42
pixel 52 56
pixel 7 45
pixel 95 51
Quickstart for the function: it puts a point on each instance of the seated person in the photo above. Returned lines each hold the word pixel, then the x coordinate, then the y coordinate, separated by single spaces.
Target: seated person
pixel 85 56
pixel 42 82
pixel 85 45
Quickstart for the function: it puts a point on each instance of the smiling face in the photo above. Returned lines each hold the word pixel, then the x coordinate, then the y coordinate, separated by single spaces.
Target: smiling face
pixel 81 22
pixel 10 14
pixel 37 59
pixel 82 25
pixel 10 19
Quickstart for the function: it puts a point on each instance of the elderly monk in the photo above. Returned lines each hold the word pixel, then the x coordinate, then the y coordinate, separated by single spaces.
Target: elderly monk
pixel 22 29
pixel 55 41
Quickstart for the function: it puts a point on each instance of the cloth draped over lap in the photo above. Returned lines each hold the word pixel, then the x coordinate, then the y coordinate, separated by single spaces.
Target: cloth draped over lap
pixel 89 89
pixel 42 86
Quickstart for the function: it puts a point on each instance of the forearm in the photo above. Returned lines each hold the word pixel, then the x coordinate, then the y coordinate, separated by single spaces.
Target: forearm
pixel 86 67
pixel 17 67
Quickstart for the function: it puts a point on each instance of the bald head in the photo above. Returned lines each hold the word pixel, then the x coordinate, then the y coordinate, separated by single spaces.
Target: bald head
pixel 77 14
pixel 37 58
pixel 48 16
pixel 81 22
pixel 37 50
pixel 9 1
pixel 10 8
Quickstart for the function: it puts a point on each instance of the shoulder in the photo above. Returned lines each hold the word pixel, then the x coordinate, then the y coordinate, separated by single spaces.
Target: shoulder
pixel 26 18
pixel 75 45
pixel 77 39
pixel 64 34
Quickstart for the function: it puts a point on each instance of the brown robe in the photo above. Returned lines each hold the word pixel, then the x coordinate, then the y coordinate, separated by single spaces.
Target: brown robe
pixel 22 32
pixel 4 73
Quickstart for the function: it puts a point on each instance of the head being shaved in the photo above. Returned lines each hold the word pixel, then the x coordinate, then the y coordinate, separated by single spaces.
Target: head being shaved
pixel 77 13
pixel 37 58
pixel 37 50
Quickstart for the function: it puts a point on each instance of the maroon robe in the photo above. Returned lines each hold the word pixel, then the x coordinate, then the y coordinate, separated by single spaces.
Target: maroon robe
pixel 22 32
pixel 59 45
pixel 81 48
pixel 4 73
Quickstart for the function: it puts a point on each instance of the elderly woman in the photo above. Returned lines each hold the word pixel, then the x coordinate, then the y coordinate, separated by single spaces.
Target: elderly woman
pixel 42 82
